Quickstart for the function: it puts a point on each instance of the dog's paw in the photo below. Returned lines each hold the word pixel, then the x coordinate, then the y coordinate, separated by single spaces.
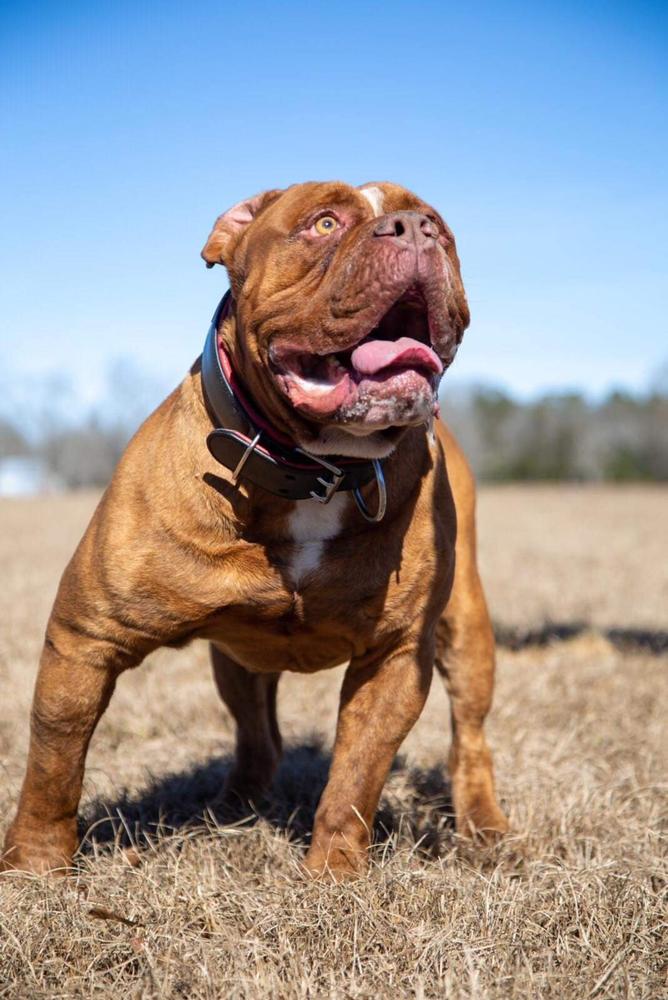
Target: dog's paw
pixel 485 824
pixel 47 852
pixel 339 862
pixel 29 862
pixel 242 792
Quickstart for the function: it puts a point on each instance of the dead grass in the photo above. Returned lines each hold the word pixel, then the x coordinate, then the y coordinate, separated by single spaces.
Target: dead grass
pixel 576 553
pixel 174 900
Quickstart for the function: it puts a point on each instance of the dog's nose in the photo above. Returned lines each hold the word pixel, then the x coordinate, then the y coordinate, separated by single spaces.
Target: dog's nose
pixel 407 227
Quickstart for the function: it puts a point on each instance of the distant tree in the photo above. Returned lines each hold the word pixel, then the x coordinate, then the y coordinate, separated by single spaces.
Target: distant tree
pixel 12 442
pixel 562 436
pixel 86 452
pixel 85 455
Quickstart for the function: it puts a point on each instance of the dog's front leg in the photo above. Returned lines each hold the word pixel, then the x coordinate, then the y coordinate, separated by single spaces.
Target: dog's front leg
pixel 76 679
pixel 381 699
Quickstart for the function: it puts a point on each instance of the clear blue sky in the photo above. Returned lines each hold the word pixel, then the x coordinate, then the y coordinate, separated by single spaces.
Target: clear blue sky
pixel 538 129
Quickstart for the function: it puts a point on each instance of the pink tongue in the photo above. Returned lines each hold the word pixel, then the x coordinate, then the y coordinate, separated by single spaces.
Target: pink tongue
pixel 375 355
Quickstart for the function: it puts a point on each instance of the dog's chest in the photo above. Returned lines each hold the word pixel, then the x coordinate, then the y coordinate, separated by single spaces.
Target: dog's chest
pixel 307 602
pixel 311 525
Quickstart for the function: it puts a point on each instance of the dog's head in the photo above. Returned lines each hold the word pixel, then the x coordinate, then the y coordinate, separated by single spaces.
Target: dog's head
pixel 349 305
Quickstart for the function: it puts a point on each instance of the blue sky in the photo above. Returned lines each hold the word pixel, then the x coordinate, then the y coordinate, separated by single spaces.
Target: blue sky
pixel 539 130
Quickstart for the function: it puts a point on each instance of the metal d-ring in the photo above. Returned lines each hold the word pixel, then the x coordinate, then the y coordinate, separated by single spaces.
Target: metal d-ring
pixel 382 495
pixel 244 458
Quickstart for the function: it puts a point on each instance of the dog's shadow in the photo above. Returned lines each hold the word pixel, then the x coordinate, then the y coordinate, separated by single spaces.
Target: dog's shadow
pixel 416 808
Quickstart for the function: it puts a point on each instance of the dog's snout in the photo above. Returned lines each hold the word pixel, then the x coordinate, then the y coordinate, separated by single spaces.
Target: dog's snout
pixel 407 227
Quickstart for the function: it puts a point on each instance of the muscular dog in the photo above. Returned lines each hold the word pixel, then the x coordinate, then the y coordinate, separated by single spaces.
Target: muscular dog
pixel 296 502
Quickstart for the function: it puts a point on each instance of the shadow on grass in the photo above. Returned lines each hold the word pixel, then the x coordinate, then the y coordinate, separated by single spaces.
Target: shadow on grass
pixel 628 640
pixel 418 810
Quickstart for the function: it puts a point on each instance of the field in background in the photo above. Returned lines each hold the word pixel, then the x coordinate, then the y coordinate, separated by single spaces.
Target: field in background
pixel 570 906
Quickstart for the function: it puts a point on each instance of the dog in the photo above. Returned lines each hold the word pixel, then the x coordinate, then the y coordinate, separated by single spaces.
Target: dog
pixel 297 502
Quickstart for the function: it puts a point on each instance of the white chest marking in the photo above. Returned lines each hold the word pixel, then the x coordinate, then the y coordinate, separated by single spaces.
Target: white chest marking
pixel 311 524
pixel 374 196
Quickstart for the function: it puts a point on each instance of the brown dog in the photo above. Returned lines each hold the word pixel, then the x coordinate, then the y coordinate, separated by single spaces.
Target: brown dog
pixel 318 383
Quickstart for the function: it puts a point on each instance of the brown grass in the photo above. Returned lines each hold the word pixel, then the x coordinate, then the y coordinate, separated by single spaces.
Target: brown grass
pixel 174 900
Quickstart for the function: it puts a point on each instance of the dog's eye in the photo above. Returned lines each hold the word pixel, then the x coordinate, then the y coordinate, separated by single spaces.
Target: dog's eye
pixel 326 225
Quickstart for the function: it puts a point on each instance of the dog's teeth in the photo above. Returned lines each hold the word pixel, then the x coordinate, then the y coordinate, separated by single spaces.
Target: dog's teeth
pixel 311 385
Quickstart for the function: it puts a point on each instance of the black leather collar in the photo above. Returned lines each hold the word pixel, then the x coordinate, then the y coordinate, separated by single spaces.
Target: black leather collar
pixel 244 444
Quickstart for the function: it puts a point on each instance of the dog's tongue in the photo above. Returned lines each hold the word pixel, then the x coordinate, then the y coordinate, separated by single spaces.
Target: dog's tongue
pixel 375 355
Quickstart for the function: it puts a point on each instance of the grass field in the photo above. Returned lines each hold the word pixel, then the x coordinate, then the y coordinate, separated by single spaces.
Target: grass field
pixel 172 902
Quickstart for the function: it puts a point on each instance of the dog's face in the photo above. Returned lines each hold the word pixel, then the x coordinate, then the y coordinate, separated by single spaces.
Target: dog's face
pixel 349 307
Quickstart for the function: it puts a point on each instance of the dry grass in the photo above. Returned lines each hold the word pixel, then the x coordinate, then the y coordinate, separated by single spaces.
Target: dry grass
pixel 583 553
pixel 570 906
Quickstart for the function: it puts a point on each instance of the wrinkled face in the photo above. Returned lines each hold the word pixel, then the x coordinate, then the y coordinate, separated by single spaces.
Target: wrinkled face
pixel 349 306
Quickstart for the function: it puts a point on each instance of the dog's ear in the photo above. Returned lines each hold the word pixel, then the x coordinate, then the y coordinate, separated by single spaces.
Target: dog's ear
pixel 229 226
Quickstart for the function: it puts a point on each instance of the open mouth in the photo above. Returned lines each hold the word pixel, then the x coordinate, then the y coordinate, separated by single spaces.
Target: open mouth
pixel 391 372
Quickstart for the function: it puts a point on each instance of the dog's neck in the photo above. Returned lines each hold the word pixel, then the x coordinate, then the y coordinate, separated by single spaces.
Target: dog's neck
pixel 248 444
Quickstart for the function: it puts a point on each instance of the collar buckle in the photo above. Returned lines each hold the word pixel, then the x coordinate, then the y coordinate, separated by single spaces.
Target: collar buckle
pixel 330 485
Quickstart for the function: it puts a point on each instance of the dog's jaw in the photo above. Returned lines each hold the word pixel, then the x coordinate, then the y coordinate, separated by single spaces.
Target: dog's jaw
pixel 351 444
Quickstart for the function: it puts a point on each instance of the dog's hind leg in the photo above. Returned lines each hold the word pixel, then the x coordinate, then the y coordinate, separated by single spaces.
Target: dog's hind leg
pixel 465 658
pixel 251 699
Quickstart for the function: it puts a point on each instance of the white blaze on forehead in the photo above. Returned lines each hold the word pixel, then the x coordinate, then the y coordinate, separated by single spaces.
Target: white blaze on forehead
pixel 311 524
pixel 374 196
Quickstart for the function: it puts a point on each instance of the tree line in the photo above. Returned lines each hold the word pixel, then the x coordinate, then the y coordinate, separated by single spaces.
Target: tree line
pixel 622 437
pixel 564 436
